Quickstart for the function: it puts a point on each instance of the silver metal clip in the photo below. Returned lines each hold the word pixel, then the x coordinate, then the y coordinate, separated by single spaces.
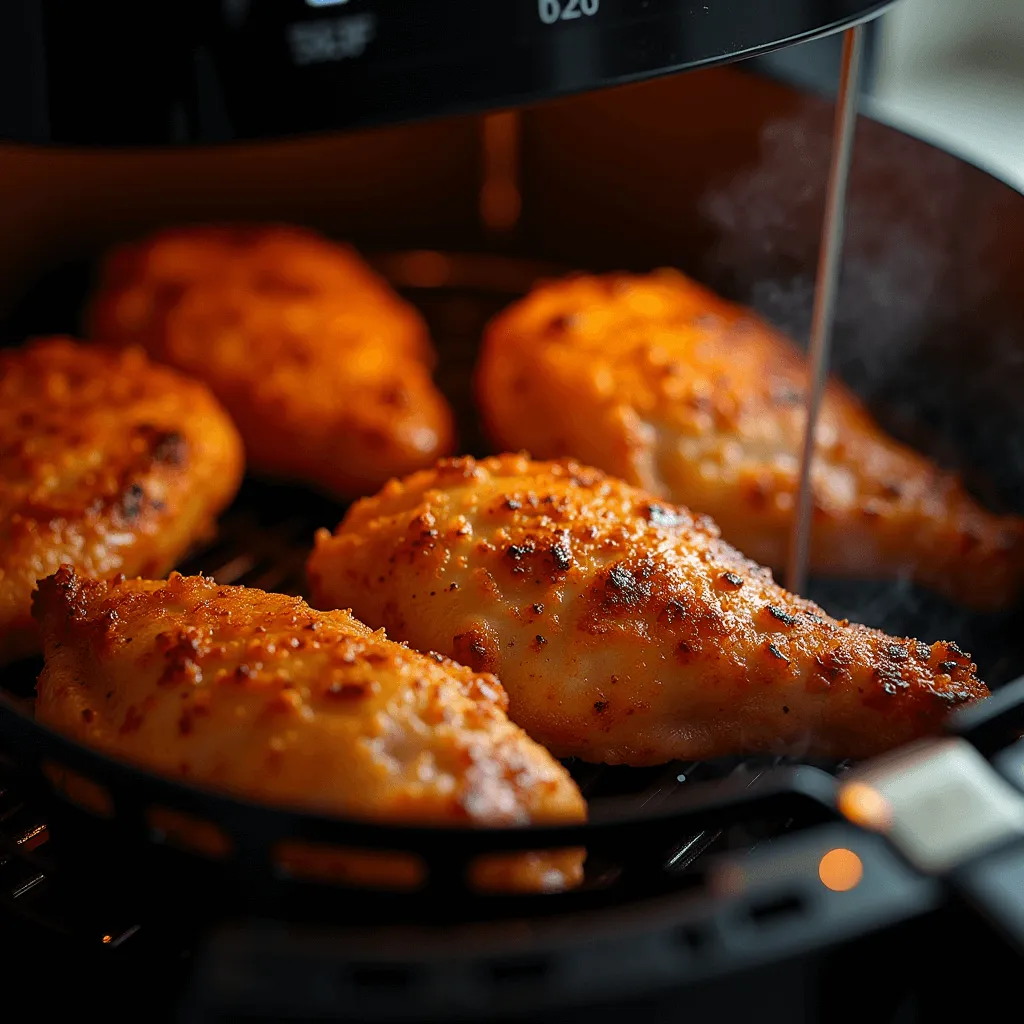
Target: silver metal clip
pixel 939 802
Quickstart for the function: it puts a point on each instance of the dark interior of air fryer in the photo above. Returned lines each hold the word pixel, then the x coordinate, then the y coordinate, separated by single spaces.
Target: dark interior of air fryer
pixel 929 330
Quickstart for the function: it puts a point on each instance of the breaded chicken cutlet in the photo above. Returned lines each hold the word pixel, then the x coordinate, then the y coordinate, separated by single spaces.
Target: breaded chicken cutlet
pixel 623 628
pixel 107 462
pixel 326 371
pixel 259 695
pixel 660 382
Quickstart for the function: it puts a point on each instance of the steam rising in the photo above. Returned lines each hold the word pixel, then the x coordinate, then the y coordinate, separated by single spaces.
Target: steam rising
pixel 923 332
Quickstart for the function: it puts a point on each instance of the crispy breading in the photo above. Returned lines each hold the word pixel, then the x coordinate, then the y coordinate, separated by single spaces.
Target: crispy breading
pixel 108 462
pixel 326 371
pixel 258 694
pixel 623 628
pixel 657 380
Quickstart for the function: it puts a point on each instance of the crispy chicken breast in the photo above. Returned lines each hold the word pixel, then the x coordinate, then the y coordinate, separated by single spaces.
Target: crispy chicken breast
pixel 623 628
pixel 660 382
pixel 326 371
pixel 258 694
pixel 107 462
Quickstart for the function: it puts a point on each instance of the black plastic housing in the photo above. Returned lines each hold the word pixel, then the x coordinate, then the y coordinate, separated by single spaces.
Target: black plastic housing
pixel 202 72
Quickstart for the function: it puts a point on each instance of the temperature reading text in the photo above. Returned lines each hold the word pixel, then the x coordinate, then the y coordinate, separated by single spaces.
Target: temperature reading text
pixel 566 10
pixel 314 42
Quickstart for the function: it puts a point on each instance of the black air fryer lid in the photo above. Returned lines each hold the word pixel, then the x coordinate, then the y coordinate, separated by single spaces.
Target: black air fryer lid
pixel 198 72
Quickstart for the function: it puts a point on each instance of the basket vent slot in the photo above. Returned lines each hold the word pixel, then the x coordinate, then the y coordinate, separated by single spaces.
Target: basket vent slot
pixel 382 977
pixel 519 970
pixel 784 907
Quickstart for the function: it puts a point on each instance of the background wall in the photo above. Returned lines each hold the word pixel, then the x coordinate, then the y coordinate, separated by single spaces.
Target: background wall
pixel 950 71
pixel 953 72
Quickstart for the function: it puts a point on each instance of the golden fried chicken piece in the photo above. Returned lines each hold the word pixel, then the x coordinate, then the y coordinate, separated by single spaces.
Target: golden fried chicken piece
pixel 623 628
pixel 667 386
pixel 325 370
pixel 108 462
pixel 258 694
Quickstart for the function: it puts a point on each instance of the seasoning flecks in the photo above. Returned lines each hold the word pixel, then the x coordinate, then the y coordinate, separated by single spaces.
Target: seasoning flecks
pixel 782 615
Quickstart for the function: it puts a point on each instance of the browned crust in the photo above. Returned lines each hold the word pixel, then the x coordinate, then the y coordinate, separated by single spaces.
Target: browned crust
pixel 108 462
pixel 623 627
pixel 325 370
pixel 259 694
pixel 669 387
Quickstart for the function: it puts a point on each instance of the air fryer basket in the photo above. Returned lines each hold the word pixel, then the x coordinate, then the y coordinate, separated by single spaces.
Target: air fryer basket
pixel 930 330
pixel 263 542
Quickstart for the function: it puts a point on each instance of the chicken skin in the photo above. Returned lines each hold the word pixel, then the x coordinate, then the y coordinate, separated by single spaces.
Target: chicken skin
pixel 660 382
pixel 623 628
pixel 325 370
pixel 107 462
pixel 258 694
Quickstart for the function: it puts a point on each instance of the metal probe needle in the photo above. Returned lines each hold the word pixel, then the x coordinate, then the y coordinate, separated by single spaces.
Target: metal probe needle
pixel 829 260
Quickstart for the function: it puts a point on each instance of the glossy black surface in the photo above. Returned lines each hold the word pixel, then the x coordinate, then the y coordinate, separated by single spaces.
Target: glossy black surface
pixel 205 72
